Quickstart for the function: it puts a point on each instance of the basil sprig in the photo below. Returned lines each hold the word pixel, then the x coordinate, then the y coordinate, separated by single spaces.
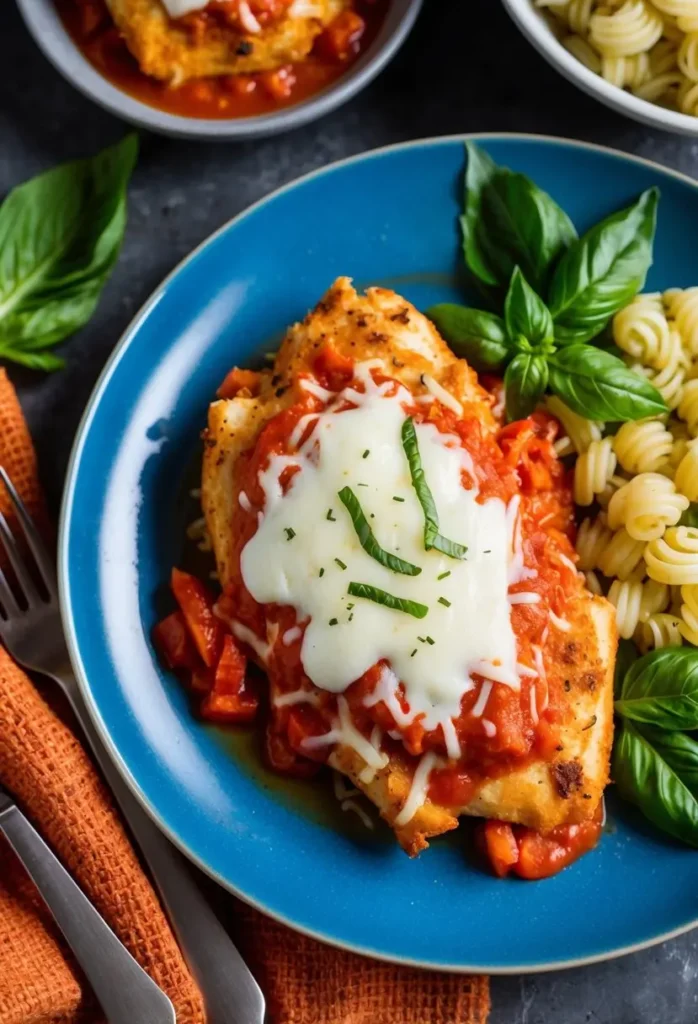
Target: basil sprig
pixel 367 539
pixel 60 235
pixel 508 222
pixel 655 764
pixel 557 293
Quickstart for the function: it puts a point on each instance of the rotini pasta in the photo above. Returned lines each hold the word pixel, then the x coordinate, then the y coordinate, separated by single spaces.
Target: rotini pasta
pixel 669 382
pixel 612 485
pixel 647 46
pixel 580 432
pixel 641 329
pixel 646 506
pixel 682 305
pixel 686 475
pixel 688 57
pixel 688 407
pixel 643 446
pixel 660 630
pixel 621 556
pixel 632 28
pixel 689 614
pixel 583 51
pixel 593 470
pixel 593 537
pixel 636 602
pixel 673 558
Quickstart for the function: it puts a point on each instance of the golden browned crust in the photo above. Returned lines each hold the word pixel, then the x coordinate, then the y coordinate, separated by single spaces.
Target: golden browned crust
pixel 383 326
pixel 166 50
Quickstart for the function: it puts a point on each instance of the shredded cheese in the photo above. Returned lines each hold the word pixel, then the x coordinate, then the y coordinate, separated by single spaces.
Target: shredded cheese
pixel 489 727
pixel 524 597
pixel 283 700
pixel 291 635
pixel 483 697
pixel 442 394
pixel 418 790
pixel 245 504
pixel 561 624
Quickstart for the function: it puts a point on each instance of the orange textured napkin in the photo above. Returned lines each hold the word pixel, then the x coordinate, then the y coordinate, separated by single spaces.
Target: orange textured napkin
pixel 45 766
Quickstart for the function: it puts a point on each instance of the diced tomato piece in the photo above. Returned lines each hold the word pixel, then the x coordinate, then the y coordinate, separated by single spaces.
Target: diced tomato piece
pixel 283 759
pixel 304 722
pixel 196 603
pixel 278 84
pixel 231 668
pixel 333 370
pixel 451 787
pixel 201 680
pixel 541 856
pixel 229 700
pixel 341 38
pixel 174 643
pixel 500 846
pixel 229 708
pixel 239 380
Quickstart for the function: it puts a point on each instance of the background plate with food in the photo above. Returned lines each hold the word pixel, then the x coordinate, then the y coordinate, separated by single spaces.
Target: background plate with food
pixel 390 218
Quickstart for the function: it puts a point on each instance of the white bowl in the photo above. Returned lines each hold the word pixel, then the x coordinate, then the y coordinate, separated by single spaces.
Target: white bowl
pixel 534 26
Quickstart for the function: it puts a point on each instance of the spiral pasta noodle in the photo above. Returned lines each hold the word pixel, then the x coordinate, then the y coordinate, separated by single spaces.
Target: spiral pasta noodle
pixel 688 407
pixel 630 29
pixel 649 47
pixel 686 474
pixel 682 305
pixel 669 382
pixel 673 558
pixel 641 329
pixel 621 556
pixel 660 630
pixel 646 506
pixel 593 470
pixel 636 602
pixel 593 537
pixel 643 446
pixel 581 432
pixel 688 625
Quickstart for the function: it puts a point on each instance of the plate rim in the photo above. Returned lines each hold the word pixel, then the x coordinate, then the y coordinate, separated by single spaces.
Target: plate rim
pixel 66 511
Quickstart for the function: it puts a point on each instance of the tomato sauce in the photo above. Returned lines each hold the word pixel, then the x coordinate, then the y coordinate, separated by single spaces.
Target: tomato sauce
pixel 228 96
pixel 518 461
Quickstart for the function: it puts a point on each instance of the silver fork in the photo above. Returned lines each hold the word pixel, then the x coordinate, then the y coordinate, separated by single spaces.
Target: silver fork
pixel 32 631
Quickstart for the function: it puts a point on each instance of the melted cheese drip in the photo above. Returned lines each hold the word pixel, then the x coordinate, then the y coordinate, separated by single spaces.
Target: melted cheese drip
pixel 178 8
pixel 418 790
pixel 471 633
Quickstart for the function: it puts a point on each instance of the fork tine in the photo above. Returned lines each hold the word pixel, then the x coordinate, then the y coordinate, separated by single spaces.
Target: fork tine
pixel 7 598
pixel 36 545
pixel 8 542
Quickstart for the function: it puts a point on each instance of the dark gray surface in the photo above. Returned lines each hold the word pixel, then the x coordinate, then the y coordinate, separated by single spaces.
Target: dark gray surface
pixel 464 69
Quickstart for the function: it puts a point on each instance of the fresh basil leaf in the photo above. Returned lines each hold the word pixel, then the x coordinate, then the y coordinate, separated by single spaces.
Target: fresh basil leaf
pixel 60 235
pixel 524 382
pixel 476 336
pixel 661 689
pixel 600 387
pixel 602 271
pixel 626 656
pixel 690 516
pixel 660 779
pixel 525 314
pixel 509 221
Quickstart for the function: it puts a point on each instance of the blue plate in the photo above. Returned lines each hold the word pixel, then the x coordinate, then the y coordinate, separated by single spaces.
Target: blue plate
pixel 387 217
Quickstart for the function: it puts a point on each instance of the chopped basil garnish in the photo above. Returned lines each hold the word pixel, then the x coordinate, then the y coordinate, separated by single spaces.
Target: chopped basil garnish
pixel 333 622
pixel 444 575
pixel 321 573
pixel 331 516
pixel 444 602
pixel 395 498
pixel 340 563
pixel 290 532
pixel 368 541
pixel 398 604
pixel 366 453
pixel 432 537
pixel 413 653
pixel 431 641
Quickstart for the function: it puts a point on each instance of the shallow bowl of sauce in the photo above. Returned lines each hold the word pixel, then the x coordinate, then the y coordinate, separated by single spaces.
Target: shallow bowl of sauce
pixel 94 58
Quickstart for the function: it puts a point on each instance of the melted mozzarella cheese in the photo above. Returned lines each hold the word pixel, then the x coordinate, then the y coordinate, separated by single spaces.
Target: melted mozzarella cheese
pixel 178 8
pixel 306 538
pixel 418 790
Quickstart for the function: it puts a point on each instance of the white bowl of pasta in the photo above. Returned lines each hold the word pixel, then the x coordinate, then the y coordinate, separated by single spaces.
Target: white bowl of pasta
pixel 639 57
